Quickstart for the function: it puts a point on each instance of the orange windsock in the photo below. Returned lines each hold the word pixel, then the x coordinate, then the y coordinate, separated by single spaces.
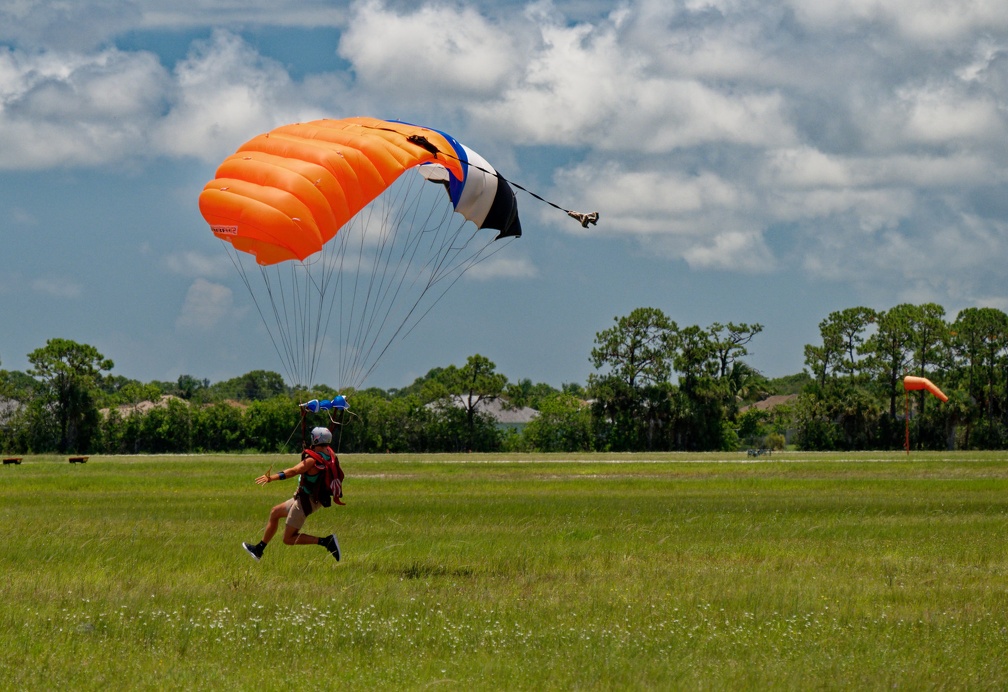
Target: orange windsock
pixel 911 383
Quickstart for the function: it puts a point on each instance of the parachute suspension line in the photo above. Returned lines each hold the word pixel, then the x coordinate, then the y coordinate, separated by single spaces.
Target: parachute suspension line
pixel 339 440
pixel 401 227
pixel 308 309
pixel 310 306
pixel 243 274
pixel 360 290
pixel 359 334
pixel 445 238
pixel 360 293
pixel 282 316
pixel 400 221
pixel 347 306
pixel 290 313
pixel 300 301
pixel 292 301
pixel 375 289
pixel 475 259
pixel 412 322
pixel 336 260
pixel 321 286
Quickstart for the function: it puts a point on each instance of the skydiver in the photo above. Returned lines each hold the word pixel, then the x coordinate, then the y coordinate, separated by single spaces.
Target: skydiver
pixel 307 498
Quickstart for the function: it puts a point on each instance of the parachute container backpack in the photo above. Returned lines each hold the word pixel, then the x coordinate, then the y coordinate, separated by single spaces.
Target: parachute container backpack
pixel 353 228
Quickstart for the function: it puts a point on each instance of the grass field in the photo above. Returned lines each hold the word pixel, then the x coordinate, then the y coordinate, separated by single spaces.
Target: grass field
pixel 543 572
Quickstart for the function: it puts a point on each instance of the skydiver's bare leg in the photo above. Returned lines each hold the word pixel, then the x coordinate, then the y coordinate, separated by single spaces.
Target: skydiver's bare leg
pixel 293 536
pixel 276 514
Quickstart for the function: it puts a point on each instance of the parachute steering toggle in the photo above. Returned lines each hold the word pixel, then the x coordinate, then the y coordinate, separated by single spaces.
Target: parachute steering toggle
pixel 337 403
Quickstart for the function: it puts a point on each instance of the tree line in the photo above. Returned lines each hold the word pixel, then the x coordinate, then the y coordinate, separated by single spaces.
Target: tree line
pixel 656 386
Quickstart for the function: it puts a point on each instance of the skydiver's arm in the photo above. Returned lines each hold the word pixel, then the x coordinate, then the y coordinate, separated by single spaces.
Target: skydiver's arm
pixel 268 477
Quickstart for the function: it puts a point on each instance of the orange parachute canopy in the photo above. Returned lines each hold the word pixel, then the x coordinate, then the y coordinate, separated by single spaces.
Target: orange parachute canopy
pixel 333 224
pixel 286 193
pixel 911 383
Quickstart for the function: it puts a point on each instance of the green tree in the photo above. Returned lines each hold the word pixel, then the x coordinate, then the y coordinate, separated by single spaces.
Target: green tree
pixel 615 425
pixel 745 384
pixel 814 427
pixel 17 385
pixel 359 430
pixel 189 386
pixel 70 375
pixel 842 335
pixel 753 426
pixel 257 385
pixel 405 425
pixel 217 428
pixel 272 425
pixel 631 394
pixel 525 394
pixel 168 428
pixel 474 383
pixel 574 389
pixel 563 425
pixel 120 391
pixel 639 349
pixel 429 387
pixel 729 342
pixel 889 351
pixel 849 327
pixel 789 384
pixel 979 338
pixel 695 359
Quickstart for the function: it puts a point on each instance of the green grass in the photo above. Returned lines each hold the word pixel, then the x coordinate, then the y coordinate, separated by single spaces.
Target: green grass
pixel 523 572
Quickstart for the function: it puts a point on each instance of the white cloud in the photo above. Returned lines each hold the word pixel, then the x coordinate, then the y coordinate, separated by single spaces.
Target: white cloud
pixel 611 86
pixel 68 109
pixel 226 94
pixel 56 287
pixel 69 25
pixel 946 115
pixel 732 251
pixel 710 221
pixel 77 109
pixel 652 202
pixel 503 268
pixel 206 306
pixel 193 264
pixel 805 167
pixel 433 52
pixel 921 20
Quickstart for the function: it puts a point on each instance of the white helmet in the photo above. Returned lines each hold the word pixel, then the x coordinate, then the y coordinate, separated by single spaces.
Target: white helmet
pixel 321 436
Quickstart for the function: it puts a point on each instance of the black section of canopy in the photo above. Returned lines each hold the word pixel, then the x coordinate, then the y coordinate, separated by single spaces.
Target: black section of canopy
pixel 503 214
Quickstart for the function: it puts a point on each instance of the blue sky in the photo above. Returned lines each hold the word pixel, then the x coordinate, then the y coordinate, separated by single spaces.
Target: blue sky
pixel 753 160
